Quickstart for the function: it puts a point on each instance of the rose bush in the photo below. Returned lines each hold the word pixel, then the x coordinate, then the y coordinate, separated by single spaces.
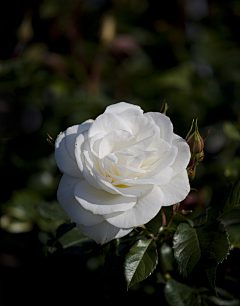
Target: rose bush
pixel 119 170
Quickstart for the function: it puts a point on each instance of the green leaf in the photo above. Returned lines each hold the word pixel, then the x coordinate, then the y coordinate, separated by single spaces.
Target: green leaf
pixel 203 217
pixel 221 302
pixel 140 261
pixel 160 278
pixel 165 233
pixel 178 294
pixel 232 131
pixel 178 77
pixel 62 230
pixel 186 248
pixel 214 242
pixel 231 217
pixel 211 275
pixel 167 257
pixel 208 245
pixel 72 237
pixel 232 200
pixel 232 168
pixel 22 205
pixel 234 235
pixel 52 211
pixel 182 218
pixel 224 293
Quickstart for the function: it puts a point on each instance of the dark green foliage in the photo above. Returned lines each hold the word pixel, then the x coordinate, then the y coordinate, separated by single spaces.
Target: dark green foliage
pixel 140 261
pixel 52 211
pixel 232 200
pixel 207 245
pixel 186 248
pixel 178 294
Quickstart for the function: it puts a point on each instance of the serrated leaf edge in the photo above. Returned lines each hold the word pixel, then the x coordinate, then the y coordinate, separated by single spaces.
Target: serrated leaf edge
pixel 130 285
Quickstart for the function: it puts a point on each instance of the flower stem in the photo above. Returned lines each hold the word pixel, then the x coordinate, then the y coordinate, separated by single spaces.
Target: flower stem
pixel 164 222
pixel 174 212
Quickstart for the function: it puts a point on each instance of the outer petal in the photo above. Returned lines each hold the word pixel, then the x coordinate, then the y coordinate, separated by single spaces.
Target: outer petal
pixel 71 134
pixel 103 232
pixel 176 190
pixel 148 205
pixel 73 209
pixel 80 141
pixel 183 156
pixel 65 147
pixel 100 201
pixel 121 107
pixel 165 125
pixel 123 232
pixel 64 161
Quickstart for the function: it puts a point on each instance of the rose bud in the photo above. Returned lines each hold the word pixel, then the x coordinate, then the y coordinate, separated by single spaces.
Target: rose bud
pixel 195 141
pixel 196 144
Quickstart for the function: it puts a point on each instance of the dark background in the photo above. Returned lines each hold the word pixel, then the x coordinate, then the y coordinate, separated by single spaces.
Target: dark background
pixel 61 63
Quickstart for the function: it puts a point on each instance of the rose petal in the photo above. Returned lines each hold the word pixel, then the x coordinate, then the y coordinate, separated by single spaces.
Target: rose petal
pixel 95 142
pixel 82 163
pixel 68 202
pixel 65 163
pixel 165 125
pixel 121 107
pixel 161 178
pixel 107 123
pixel 103 232
pixel 72 133
pixel 182 159
pixel 144 143
pixel 135 191
pixel 135 157
pixel 127 171
pixel 110 169
pixel 131 113
pixel 139 124
pixel 176 190
pixel 123 232
pixel 100 201
pixel 162 163
pixel 115 141
pixel 147 206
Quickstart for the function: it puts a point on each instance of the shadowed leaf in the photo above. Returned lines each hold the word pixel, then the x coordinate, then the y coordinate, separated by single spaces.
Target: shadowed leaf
pixel 208 245
pixel 186 248
pixel 140 261
pixel 178 294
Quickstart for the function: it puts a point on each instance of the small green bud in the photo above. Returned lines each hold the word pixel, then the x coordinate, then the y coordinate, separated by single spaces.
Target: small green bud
pixel 196 144
pixel 195 141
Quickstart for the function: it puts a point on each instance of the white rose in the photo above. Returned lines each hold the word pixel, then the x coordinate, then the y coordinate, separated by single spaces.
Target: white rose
pixel 119 170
